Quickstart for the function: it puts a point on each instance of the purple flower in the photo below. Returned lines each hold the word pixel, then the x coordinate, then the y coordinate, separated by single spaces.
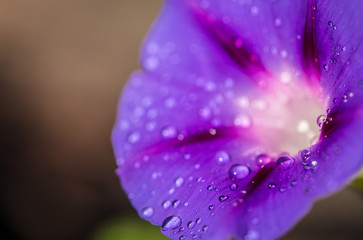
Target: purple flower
pixel 245 112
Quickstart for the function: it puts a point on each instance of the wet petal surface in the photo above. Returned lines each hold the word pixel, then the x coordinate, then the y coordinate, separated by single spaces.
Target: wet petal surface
pixel 217 137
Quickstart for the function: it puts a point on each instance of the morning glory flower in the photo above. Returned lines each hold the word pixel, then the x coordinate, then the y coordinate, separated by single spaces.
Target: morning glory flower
pixel 244 113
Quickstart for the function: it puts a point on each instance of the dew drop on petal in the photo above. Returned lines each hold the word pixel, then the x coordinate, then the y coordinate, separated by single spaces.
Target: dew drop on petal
pixel 238 172
pixel 222 157
pixel 271 186
pixel 166 204
pixel 182 237
pixel 305 154
pixel 210 188
pixel 211 207
pixel 176 203
pixel 191 224
pixel 179 182
pixel 169 132
pixel 134 137
pixel 321 120
pixel 233 187
pixel 285 162
pixel 171 222
pixel 277 22
pixel 223 198
pixel 252 235
pixel 262 160
pixel 205 228
pixel 147 212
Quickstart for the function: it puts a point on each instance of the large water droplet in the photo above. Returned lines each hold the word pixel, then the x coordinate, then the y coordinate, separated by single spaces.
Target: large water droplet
pixel 222 157
pixel 179 182
pixel 147 212
pixel 262 160
pixel 171 222
pixel 285 162
pixel 321 120
pixel 238 172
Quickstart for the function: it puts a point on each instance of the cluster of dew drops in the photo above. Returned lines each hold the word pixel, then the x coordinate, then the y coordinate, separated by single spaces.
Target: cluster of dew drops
pixel 239 172
pixel 236 173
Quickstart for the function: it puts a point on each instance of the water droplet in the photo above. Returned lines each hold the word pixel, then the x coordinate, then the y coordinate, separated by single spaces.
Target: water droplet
pixel 166 204
pixel 182 237
pixel 283 189
pixel 254 11
pixel 313 7
pixel 171 222
pixel 187 156
pixel 305 154
pixel 233 187
pixel 169 132
pixel 147 212
pixel 238 172
pixel 252 235
pixel 134 137
pixel 271 186
pixel 330 24
pixel 326 68
pixel 277 22
pixel 262 160
pixel 321 120
pixel 198 220
pixel 223 198
pixel 176 203
pixel 285 162
pixel 211 207
pixel 205 228
pixel 210 188
pixel 293 183
pixel 191 224
pixel 222 157
pixel 179 182
pixel 151 63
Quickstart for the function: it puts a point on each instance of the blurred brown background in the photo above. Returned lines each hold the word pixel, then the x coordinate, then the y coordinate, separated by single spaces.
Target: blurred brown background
pixel 62 66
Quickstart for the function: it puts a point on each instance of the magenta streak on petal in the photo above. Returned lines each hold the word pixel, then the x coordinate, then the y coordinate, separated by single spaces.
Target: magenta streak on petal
pixel 199 137
pixel 259 177
pixel 336 120
pixel 233 45
pixel 310 51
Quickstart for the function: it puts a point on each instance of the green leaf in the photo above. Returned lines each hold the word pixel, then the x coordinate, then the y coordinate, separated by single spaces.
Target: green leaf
pixel 358 182
pixel 128 228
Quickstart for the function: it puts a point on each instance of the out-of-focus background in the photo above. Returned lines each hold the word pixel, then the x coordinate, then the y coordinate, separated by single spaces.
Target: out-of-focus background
pixel 63 64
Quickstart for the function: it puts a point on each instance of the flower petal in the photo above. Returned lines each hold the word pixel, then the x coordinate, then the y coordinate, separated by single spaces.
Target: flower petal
pixel 188 152
pixel 340 37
